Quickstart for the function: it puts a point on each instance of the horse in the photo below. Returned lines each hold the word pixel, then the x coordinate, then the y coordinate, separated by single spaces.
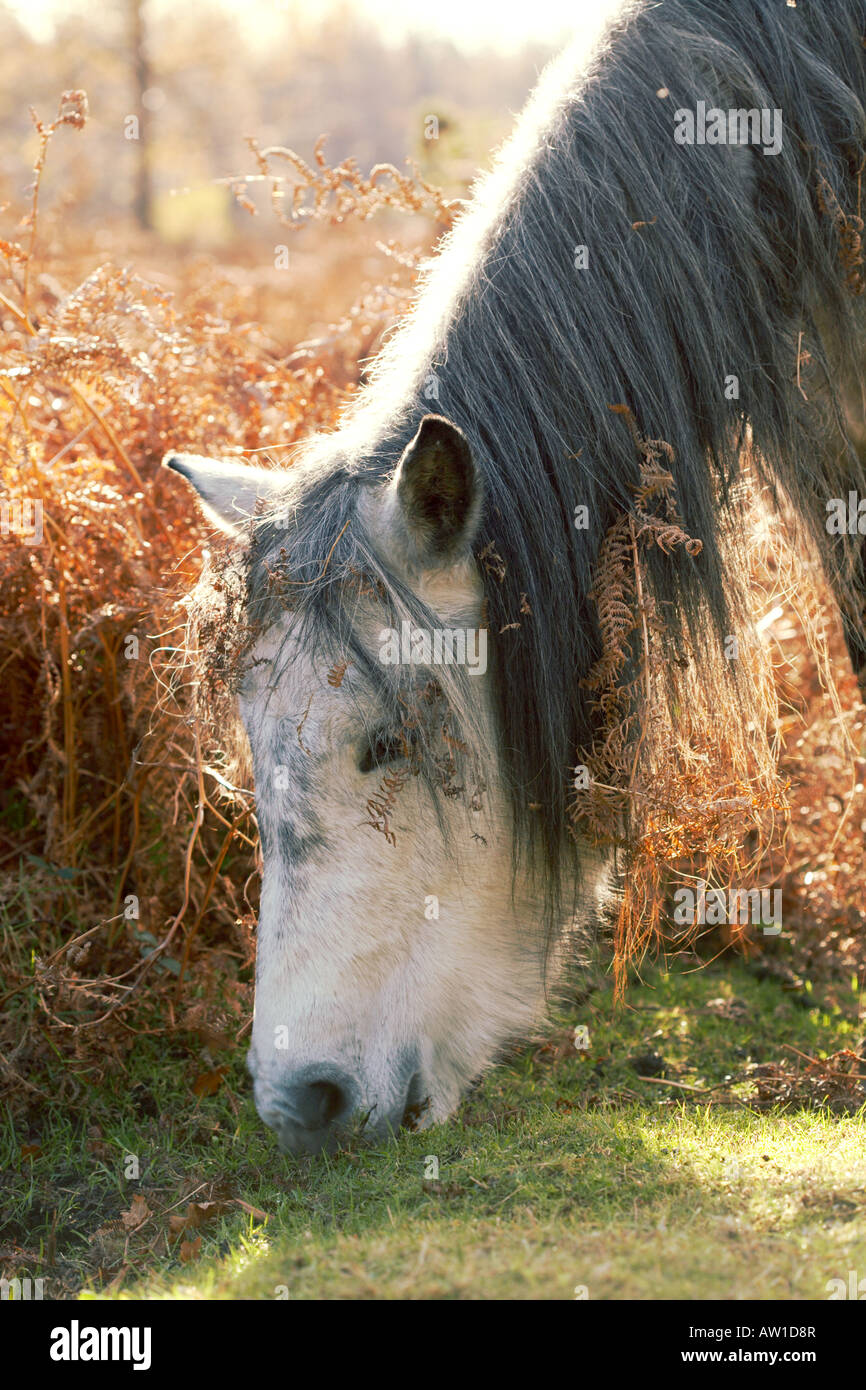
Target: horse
pixel 666 248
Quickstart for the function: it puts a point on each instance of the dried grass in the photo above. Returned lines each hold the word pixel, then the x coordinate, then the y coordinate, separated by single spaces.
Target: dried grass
pixel 114 796
pixel 684 775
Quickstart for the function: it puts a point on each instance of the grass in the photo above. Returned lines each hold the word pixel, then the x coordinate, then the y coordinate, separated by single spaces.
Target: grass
pixel 630 1205
pixel 562 1175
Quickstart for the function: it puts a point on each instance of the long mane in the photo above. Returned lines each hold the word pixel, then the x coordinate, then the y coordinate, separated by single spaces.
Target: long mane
pixel 703 263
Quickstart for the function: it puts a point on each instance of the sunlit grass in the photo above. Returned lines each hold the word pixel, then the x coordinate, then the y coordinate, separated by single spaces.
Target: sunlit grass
pixel 561 1172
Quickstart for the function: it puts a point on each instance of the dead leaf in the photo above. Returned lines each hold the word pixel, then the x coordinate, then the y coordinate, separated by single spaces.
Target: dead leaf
pixel 99 1148
pixel 209 1082
pixel 441 1189
pixel 190 1250
pixel 336 674
pixel 253 1211
pixel 138 1212
pixel 197 1214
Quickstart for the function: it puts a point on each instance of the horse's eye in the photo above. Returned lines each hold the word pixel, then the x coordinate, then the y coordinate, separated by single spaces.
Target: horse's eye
pixel 383 749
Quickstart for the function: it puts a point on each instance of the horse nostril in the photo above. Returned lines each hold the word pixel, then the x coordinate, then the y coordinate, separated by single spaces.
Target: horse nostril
pixel 320 1102
pixel 325 1102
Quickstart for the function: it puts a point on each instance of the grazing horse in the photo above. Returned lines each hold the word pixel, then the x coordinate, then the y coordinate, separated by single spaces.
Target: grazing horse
pixel 672 229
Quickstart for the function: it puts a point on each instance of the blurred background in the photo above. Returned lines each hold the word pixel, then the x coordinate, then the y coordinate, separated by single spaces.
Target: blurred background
pixel 174 90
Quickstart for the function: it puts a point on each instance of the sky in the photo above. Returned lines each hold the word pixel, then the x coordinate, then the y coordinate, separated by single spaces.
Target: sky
pixel 505 24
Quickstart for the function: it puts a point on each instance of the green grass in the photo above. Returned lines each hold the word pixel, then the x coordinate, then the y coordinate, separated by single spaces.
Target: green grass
pixel 563 1171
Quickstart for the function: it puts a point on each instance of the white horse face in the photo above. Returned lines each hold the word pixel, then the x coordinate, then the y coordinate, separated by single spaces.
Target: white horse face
pixel 391 967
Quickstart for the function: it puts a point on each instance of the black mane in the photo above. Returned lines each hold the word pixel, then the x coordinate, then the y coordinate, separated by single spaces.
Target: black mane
pixel 704 261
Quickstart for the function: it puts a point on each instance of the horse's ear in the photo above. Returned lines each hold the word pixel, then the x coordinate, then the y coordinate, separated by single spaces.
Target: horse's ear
pixel 436 493
pixel 227 492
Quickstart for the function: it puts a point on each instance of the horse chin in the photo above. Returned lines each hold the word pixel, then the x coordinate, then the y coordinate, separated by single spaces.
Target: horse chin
pixel 309 1143
pixel 360 1130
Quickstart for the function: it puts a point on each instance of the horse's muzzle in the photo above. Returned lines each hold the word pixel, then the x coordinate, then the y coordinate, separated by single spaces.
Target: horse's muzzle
pixel 317 1107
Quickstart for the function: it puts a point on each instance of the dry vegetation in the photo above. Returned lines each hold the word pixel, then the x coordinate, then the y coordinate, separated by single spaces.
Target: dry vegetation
pixel 111 796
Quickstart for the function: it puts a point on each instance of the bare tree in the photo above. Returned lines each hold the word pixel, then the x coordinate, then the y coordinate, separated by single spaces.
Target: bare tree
pixel 142 202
